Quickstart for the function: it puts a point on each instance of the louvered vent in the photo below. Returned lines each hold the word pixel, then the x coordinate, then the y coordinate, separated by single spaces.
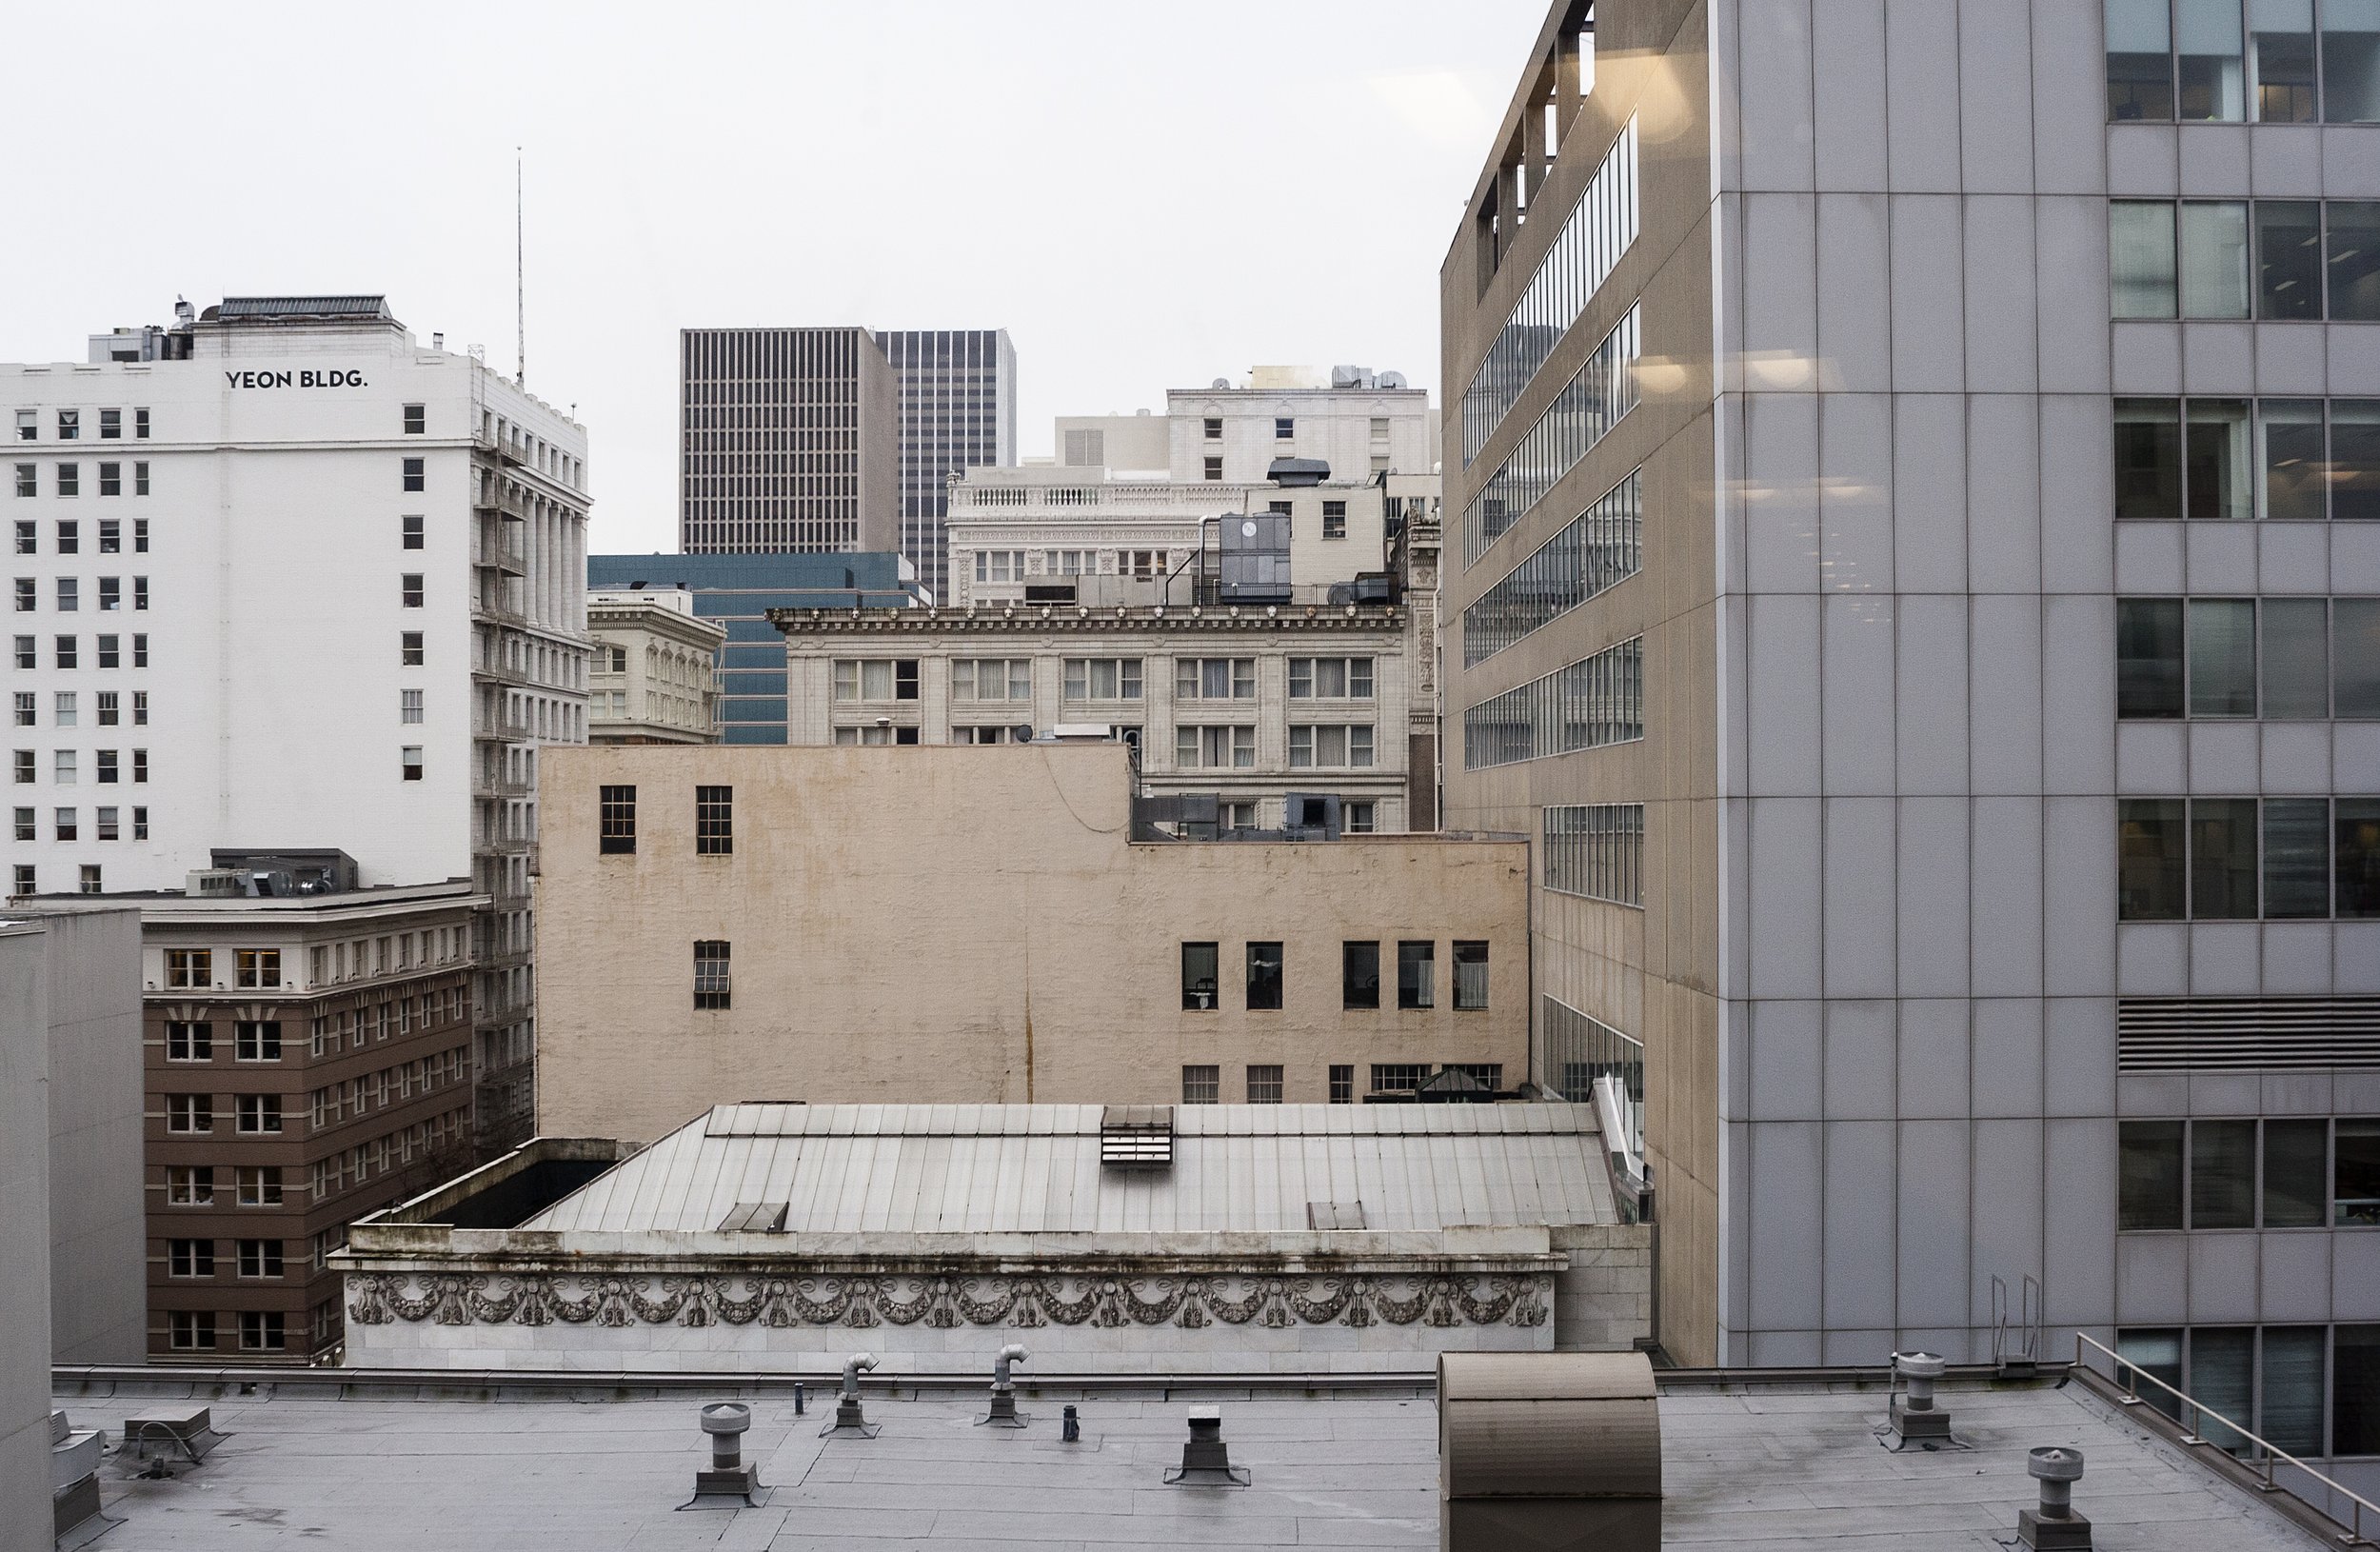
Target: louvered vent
pixel 2216 1034
pixel 1137 1136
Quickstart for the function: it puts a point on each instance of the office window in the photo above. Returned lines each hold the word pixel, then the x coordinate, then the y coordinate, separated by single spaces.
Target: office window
pixel 1470 976
pixel 1357 817
pixel 25 826
pixel 263 1330
pixel 62 708
pixel 711 984
pixel 714 820
pixel 2297 1186
pixel 69 594
pixel 1215 679
pixel 1214 467
pixel 110 536
pixel 140 648
pixel 2149 1170
pixel 27 483
pixel 1265 1084
pixel 140 823
pixel 62 768
pixel 1213 427
pixel 1330 678
pixel 1359 975
pixel 409 590
pixel 1595 850
pixel 28 536
pixel 140 424
pixel 189 967
pixel 1265 975
pixel 70 479
pixel 2355 1390
pixel 2151 884
pixel 22 764
pixel 2289 259
pixel 413 477
pixel 1202 1085
pixel 2352 256
pixel 1334 520
pixel 1283 429
pixel 2223 859
pixel 140 482
pixel 2214 259
pixel 188 1041
pixel 1198 747
pixel 617 821
pixel 1330 747
pixel 69 536
pixel 23 651
pixel 70 425
pixel 1593 702
pixel 140 767
pixel 1342 1084
pixel 1201 971
pixel 410 534
pixel 257 1040
pixel 260 1113
pixel 410 649
pixel 2223 1175
pixel 408 705
pixel 26 595
pixel 416 419
pixel 1417 975
pixel 22 881
pixel 189 1114
pixel 28 424
pixel 190 1185
pixel 190 1258
pixel 991 678
pixel 2355 1174
pixel 259 1185
pixel 2149 657
pixel 2296 858
pixel 2141 258
pixel 1395 1077
pixel 259 966
pixel 2140 60
pixel 191 1330
pixel 260 1258
pixel 111 479
pixel 110 424
pixel 2222 648
pixel 1102 679
pixel 90 881
pixel 409 762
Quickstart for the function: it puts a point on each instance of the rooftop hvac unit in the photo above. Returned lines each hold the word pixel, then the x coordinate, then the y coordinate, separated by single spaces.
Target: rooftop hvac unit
pixel 1137 1136
pixel 1049 592
pixel 1256 558
pixel 1311 816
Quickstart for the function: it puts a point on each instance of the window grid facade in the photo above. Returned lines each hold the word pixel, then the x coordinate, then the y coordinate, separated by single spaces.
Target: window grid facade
pixel 1593 702
pixel 1603 547
pixel 1595 850
pixel 1580 416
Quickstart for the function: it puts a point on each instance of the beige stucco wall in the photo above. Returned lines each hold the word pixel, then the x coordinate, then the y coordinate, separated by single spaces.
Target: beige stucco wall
pixel 971 924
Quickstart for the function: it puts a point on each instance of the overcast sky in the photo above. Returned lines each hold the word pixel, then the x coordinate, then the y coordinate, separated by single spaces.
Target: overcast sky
pixel 1145 196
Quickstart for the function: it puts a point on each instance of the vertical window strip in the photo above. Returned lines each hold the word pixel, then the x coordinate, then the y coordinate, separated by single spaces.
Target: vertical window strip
pixel 1580 416
pixel 1595 850
pixel 1601 547
pixel 1600 229
pixel 1592 703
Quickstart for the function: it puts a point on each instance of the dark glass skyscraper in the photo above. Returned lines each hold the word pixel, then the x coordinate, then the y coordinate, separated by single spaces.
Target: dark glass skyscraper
pixel 787 441
pixel 958 395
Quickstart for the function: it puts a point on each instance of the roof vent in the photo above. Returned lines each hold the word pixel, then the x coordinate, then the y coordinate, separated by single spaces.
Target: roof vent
pixel 1333 1216
pixel 1205 1458
pixel 755 1218
pixel 2054 1527
pixel 850 1422
pixel 1003 1413
pixel 1548 1450
pixel 1911 1418
pixel 730 1483
pixel 1137 1136
pixel 1293 472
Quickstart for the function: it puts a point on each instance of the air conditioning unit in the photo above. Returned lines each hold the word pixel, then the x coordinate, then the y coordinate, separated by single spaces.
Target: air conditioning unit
pixel 216 883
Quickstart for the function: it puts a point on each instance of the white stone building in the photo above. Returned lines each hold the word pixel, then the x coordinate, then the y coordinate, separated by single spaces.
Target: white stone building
pixel 278 566
pixel 654 677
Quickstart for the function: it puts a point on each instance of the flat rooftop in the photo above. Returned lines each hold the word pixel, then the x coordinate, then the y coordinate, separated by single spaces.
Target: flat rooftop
pixel 1783 1468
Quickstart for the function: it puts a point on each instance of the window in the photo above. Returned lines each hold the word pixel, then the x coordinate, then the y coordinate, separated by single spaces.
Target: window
pixel 1395 1077
pixel 188 1042
pixel 140 649
pixel 260 1113
pixel 409 762
pixel 1417 975
pixel 191 1330
pixel 62 708
pixel 70 425
pixel 2355 1175
pixel 2141 258
pixel 69 536
pixel 110 594
pixel 25 824
pixel 1215 679
pixel 260 1258
pixel 1596 850
pixel 409 535
pixel 140 483
pixel 2149 1168
pixel 189 1114
pixel 23 763
pixel 90 881
pixel 140 767
pixel 70 479
pixel 110 654
pixel 262 1330
pixel 409 590
pixel 2289 259
pixel 189 967
pixel 1330 745
pixel 1356 817
pixel 259 1185
pixel 69 594
pixel 1215 747
pixel 410 649
pixel 1265 1084
pixel 140 823
pixel 190 1185
pixel 107 825
pixel 110 536
pixel 28 424
pixel 257 1040
pixel 714 820
pixel 617 825
pixel 1334 520
pixel 1330 678
pixel 1343 1083
pixel 2222 1174
pixel 1265 975
pixel 2200 859
pixel 1102 679
pixel 876 679
pixel 413 480
pixel 111 479
pixel 22 875
pixel 190 1258
pixel 1213 427
pixel 140 426
pixel 1202 1085
pixel 991 678
pixel 2356 1383
pixel 1214 467
pixel 408 705
pixel 2297 1180
pixel 28 536
pixel 1359 975
pixel 27 483
pixel 1283 429
pixel 27 595
pixel 1595 400
pixel 259 966
pixel 1200 973
pixel 711 988
pixel 1471 977
pixel 416 419
pixel 24 651
pixel 1594 702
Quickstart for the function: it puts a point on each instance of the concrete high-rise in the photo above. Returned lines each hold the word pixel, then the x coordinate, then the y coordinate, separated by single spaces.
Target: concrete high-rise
pixel 958 389
pixel 1900 565
pixel 282 573
pixel 787 440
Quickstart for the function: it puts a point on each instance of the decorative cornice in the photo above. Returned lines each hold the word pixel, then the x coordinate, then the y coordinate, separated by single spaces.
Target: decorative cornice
pixel 1083 620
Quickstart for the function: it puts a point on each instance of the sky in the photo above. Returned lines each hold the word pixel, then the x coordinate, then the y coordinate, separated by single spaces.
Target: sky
pixel 1145 196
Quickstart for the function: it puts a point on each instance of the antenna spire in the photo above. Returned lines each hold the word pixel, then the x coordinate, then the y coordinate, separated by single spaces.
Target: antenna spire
pixel 520 280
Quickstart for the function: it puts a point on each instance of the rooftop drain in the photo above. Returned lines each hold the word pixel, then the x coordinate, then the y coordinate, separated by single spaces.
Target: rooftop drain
pixel 2054 1527
pixel 1003 1413
pixel 1206 1460
pixel 849 1422
pixel 730 1483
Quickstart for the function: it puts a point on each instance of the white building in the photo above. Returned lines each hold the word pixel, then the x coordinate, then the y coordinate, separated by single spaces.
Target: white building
pixel 277 566
pixel 654 677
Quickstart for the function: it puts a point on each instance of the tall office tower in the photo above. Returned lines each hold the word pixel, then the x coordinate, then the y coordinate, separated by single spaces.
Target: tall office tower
pixel 1903 563
pixel 283 576
pixel 787 440
pixel 958 390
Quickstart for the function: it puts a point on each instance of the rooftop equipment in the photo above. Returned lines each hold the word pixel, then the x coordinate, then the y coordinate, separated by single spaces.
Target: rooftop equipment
pixel 1911 1416
pixel 730 1482
pixel 1255 561
pixel 1003 1413
pixel 1548 1450
pixel 849 1422
pixel 1205 1458
pixel 1297 473
pixel 2054 1527
pixel 1137 1136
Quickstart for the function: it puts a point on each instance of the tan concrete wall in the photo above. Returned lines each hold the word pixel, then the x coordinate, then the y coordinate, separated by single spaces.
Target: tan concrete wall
pixel 959 925
pixel 1652 973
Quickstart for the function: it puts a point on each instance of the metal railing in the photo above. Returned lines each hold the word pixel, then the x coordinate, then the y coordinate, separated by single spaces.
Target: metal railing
pixel 2264 1459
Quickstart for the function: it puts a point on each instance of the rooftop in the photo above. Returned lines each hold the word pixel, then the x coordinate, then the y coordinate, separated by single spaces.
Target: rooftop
pixel 1782 1467
pixel 1035 1168
pixel 302 310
